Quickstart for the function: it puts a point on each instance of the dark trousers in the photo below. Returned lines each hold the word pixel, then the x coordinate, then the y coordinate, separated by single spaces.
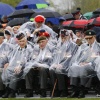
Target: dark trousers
pixel 32 74
pixel 61 81
pixel 43 77
pixel 30 78
pixel 1 83
pixel 82 81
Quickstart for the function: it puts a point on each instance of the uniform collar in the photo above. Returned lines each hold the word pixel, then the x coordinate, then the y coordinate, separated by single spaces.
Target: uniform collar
pixel 91 46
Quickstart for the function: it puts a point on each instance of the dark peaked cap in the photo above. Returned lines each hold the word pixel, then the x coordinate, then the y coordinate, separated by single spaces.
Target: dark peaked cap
pixel 41 38
pixel 75 12
pixel 20 36
pixel 90 32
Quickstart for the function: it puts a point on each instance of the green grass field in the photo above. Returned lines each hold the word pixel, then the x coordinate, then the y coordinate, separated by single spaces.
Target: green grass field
pixel 53 99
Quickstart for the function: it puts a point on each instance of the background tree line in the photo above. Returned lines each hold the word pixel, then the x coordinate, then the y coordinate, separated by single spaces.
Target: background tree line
pixel 85 5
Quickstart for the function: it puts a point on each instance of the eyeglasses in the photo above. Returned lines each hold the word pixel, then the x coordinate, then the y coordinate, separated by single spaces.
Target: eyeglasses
pixel 89 38
pixel 63 35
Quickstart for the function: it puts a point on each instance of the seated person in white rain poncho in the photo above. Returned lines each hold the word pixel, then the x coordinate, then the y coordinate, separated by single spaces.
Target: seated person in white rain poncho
pixel 14 67
pixel 83 66
pixel 41 59
pixel 66 49
pixel 5 50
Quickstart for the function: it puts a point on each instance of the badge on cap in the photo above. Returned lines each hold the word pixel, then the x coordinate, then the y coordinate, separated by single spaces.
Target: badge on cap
pixel 90 33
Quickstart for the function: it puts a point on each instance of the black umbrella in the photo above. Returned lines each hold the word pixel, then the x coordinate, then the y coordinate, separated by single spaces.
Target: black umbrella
pixel 21 13
pixel 1 25
pixel 95 16
pixel 17 21
pixel 46 13
pixel 68 17
pixel 97 11
pixel 94 22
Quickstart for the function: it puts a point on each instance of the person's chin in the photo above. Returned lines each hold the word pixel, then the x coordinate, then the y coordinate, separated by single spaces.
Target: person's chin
pixel 22 46
pixel 41 47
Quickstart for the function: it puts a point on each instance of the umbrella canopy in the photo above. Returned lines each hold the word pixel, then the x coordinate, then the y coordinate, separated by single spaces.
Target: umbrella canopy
pixel 17 21
pixel 76 23
pixel 46 13
pixel 21 13
pixel 95 16
pixel 5 9
pixel 67 23
pixel 32 4
pixel 95 21
pixel 79 23
pixel 88 15
pixel 97 11
pixel 68 17
pixel 53 20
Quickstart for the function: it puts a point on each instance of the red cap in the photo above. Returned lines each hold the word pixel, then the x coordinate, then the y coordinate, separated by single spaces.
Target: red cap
pixel 46 34
pixel 39 18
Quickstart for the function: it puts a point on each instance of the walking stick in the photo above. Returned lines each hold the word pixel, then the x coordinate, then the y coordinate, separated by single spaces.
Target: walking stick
pixel 54 88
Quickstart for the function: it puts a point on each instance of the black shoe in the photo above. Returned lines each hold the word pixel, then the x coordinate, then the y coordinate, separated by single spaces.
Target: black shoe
pixel 6 93
pixel 81 95
pixel 75 92
pixel 64 93
pixel 29 93
pixel 43 93
pixel 74 95
pixel 2 93
pixel 12 95
pixel 82 92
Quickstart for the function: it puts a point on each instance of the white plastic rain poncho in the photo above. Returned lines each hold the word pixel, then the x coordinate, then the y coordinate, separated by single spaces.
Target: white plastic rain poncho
pixel 97 62
pixel 11 40
pixel 83 63
pixel 18 58
pixel 29 27
pixel 5 50
pixel 63 55
pixel 40 58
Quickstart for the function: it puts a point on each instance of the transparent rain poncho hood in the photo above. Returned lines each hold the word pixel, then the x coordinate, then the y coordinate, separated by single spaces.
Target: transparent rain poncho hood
pixel 5 50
